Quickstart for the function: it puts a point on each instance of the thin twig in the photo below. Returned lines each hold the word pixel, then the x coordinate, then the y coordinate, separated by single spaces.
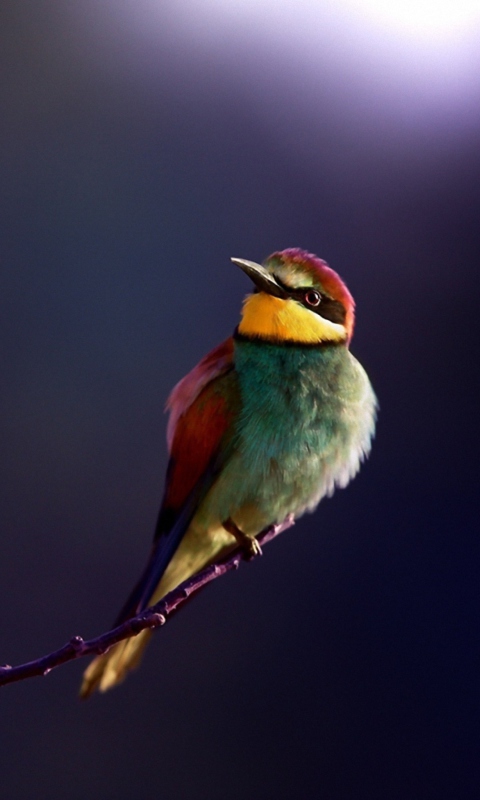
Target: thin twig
pixel 153 617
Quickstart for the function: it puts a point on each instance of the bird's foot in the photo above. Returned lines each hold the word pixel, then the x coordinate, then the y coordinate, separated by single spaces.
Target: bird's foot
pixel 249 543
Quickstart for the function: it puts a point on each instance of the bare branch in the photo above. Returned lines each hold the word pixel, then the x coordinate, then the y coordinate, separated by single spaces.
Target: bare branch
pixel 153 617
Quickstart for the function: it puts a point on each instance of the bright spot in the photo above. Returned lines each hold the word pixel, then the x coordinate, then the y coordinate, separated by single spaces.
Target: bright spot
pixel 403 53
pixel 430 19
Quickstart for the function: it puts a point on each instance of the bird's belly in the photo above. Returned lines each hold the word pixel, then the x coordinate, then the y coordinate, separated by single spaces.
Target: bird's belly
pixel 262 485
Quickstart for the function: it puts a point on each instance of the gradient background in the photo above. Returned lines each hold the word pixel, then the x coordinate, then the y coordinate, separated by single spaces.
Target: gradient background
pixel 143 144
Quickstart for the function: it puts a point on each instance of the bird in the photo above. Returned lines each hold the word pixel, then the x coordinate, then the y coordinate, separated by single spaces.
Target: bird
pixel 267 424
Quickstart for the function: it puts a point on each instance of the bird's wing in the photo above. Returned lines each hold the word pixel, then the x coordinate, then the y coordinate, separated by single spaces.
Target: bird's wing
pixel 215 363
pixel 202 406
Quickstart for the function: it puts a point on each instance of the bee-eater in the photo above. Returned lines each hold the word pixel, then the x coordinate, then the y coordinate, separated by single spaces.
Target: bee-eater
pixel 268 423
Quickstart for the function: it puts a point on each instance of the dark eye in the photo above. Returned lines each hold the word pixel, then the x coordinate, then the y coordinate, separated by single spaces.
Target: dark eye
pixel 313 298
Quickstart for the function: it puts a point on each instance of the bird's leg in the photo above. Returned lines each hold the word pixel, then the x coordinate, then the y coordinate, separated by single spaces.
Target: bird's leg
pixel 249 543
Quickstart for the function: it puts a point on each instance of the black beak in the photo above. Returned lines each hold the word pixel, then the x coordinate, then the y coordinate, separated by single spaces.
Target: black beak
pixel 263 280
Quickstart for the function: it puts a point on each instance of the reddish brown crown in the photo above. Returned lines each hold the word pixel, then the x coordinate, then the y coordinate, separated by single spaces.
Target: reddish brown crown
pixel 324 277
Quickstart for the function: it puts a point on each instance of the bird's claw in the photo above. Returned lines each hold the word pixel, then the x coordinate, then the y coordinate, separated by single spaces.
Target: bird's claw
pixel 252 547
pixel 246 541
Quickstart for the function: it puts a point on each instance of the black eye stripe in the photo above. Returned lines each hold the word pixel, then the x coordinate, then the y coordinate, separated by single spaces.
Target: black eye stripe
pixel 330 309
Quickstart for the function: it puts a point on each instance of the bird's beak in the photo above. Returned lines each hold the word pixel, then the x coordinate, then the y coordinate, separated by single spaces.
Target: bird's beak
pixel 262 278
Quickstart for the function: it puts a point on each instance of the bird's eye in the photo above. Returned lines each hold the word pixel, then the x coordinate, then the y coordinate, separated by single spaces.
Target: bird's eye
pixel 313 298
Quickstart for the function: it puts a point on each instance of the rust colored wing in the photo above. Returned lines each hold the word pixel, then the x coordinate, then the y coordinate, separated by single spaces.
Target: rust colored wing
pixel 204 405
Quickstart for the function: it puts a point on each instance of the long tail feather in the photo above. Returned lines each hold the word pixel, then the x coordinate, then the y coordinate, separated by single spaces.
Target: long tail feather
pixel 196 550
pixel 112 667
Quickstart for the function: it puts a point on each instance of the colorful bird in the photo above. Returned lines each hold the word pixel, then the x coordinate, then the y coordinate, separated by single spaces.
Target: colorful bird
pixel 268 423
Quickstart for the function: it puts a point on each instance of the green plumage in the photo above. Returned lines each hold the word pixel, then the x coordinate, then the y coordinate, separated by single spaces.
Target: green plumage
pixel 307 416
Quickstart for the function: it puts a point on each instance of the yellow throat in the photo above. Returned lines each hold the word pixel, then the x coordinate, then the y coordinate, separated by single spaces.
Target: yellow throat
pixel 277 320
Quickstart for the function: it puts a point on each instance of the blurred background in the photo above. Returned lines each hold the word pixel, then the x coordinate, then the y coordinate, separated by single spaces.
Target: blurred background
pixel 143 144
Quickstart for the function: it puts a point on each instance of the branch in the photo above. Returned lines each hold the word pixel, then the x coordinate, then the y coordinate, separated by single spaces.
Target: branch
pixel 153 617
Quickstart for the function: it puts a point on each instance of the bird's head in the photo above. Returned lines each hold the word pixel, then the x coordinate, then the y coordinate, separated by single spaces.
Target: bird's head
pixel 297 299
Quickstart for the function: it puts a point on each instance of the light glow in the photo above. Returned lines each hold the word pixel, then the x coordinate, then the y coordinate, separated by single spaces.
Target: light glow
pixel 408 60
pixel 430 19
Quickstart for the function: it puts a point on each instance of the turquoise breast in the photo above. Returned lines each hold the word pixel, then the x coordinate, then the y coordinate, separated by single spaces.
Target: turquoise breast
pixel 307 417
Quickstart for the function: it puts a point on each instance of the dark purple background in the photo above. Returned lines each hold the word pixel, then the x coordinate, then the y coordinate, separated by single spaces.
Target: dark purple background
pixel 138 154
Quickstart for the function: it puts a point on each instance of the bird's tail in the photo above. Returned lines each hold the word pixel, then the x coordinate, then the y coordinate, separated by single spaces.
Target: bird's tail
pixel 111 668
pixel 195 551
